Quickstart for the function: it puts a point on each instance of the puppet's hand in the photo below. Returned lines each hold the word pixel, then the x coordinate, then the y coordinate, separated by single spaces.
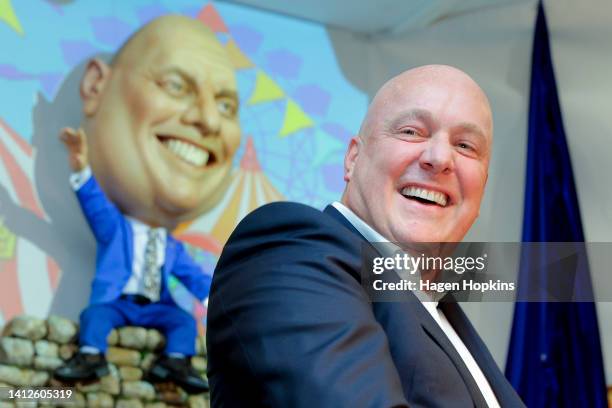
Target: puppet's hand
pixel 76 144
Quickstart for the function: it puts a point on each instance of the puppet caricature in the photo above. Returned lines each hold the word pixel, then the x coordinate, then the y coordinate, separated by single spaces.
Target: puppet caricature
pixel 159 133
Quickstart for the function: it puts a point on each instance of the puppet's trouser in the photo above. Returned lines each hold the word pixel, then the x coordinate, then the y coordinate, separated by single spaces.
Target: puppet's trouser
pixel 178 326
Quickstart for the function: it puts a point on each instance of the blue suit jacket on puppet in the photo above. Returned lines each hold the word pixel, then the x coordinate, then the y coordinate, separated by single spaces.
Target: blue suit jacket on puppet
pixel 115 240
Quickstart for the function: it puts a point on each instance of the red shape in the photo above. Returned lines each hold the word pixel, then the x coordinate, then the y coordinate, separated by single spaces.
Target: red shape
pixel 210 17
pixel 23 145
pixel 10 298
pixel 249 159
pixel 54 272
pixel 202 241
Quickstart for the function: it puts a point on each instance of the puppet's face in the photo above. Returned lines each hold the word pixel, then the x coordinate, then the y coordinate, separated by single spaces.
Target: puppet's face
pixel 165 129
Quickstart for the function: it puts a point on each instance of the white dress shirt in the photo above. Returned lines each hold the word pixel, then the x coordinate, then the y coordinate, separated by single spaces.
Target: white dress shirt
pixel 135 284
pixel 432 307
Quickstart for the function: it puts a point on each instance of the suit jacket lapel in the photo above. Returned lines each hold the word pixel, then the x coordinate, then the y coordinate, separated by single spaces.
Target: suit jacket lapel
pixel 501 387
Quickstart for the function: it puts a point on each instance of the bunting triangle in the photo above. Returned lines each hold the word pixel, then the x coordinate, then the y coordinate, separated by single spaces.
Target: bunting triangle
pixel 211 18
pixel 7 14
pixel 295 119
pixel 266 90
pixel 237 57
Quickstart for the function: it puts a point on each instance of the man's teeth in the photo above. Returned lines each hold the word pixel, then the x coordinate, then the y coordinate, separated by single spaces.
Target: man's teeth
pixel 434 196
pixel 188 152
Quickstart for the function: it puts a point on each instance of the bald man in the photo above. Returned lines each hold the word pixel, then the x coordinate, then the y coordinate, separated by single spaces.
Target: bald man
pixel 289 321
pixel 160 131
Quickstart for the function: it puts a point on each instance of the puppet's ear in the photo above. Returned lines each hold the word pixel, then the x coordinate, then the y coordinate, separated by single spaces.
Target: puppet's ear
pixel 95 79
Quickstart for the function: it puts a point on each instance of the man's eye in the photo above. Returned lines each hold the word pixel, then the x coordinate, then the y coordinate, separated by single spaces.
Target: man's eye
pixel 175 85
pixel 227 107
pixel 465 146
pixel 410 132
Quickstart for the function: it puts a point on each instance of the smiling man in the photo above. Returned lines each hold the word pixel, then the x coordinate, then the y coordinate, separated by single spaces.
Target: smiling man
pixel 160 132
pixel 289 321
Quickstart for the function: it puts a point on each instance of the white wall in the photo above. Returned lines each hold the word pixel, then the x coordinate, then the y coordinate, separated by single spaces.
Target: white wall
pixel 494 46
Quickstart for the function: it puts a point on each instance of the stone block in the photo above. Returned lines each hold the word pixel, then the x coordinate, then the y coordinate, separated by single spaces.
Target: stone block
pixel 123 357
pixel 113 338
pixel 155 340
pixel 27 327
pixel 130 373
pixel 133 337
pixel 66 351
pixel 129 403
pixel 201 346
pixel 156 405
pixel 198 401
pixel 147 361
pixel 16 351
pixel 61 330
pixel 47 363
pixel 199 363
pixel 99 400
pixel 22 377
pixel 46 348
pixel 138 389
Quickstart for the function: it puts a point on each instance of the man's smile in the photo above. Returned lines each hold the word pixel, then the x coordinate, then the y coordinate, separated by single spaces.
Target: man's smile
pixel 425 195
pixel 188 152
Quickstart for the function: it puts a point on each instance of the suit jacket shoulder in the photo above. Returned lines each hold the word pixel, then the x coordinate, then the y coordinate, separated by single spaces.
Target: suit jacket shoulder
pixel 288 321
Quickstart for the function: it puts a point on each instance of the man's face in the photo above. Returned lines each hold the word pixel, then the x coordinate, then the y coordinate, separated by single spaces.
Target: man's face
pixel 419 170
pixel 164 135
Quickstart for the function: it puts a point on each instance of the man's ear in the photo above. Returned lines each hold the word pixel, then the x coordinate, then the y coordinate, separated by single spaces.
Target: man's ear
pixel 95 79
pixel 351 157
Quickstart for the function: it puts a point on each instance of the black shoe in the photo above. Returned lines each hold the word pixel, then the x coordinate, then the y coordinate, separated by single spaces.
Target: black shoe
pixel 180 371
pixel 82 367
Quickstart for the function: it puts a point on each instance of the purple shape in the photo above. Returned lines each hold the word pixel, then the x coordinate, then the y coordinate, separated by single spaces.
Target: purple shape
pixel 11 72
pixel 338 131
pixel 247 38
pixel 284 63
pixel 76 51
pixel 110 30
pixel 313 99
pixel 148 13
pixel 50 83
pixel 333 176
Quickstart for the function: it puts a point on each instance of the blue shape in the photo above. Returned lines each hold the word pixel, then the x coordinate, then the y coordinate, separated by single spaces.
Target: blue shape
pixel 11 72
pixel 337 130
pixel 247 38
pixel 110 30
pixel 313 99
pixel 76 51
pixel 284 63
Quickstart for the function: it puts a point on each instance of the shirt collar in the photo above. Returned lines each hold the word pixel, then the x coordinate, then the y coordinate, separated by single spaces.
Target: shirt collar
pixel 140 227
pixel 371 235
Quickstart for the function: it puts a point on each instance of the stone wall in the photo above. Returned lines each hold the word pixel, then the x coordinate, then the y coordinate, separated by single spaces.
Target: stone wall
pixel 31 348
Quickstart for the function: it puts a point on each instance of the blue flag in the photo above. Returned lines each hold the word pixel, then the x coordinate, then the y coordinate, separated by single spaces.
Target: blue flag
pixel 554 358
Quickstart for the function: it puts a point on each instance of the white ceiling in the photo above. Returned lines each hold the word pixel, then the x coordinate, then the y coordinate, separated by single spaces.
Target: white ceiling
pixel 372 17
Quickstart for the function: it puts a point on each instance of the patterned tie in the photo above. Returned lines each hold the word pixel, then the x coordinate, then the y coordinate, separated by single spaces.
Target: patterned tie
pixel 151 273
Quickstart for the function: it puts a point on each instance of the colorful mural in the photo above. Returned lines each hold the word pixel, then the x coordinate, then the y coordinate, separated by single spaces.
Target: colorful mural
pixel 297 114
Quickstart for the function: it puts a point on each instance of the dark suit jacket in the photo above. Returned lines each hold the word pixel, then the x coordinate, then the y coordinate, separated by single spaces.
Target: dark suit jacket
pixel 289 325
pixel 114 256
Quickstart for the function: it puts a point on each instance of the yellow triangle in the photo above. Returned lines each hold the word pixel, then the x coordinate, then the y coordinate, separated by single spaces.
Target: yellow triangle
pixel 295 119
pixel 7 14
pixel 237 57
pixel 266 90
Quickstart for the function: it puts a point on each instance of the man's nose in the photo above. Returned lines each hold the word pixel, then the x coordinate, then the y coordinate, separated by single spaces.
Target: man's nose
pixel 437 157
pixel 204 114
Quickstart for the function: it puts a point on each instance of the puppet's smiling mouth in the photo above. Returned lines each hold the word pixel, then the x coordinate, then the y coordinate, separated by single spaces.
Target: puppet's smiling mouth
pixel 188 152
